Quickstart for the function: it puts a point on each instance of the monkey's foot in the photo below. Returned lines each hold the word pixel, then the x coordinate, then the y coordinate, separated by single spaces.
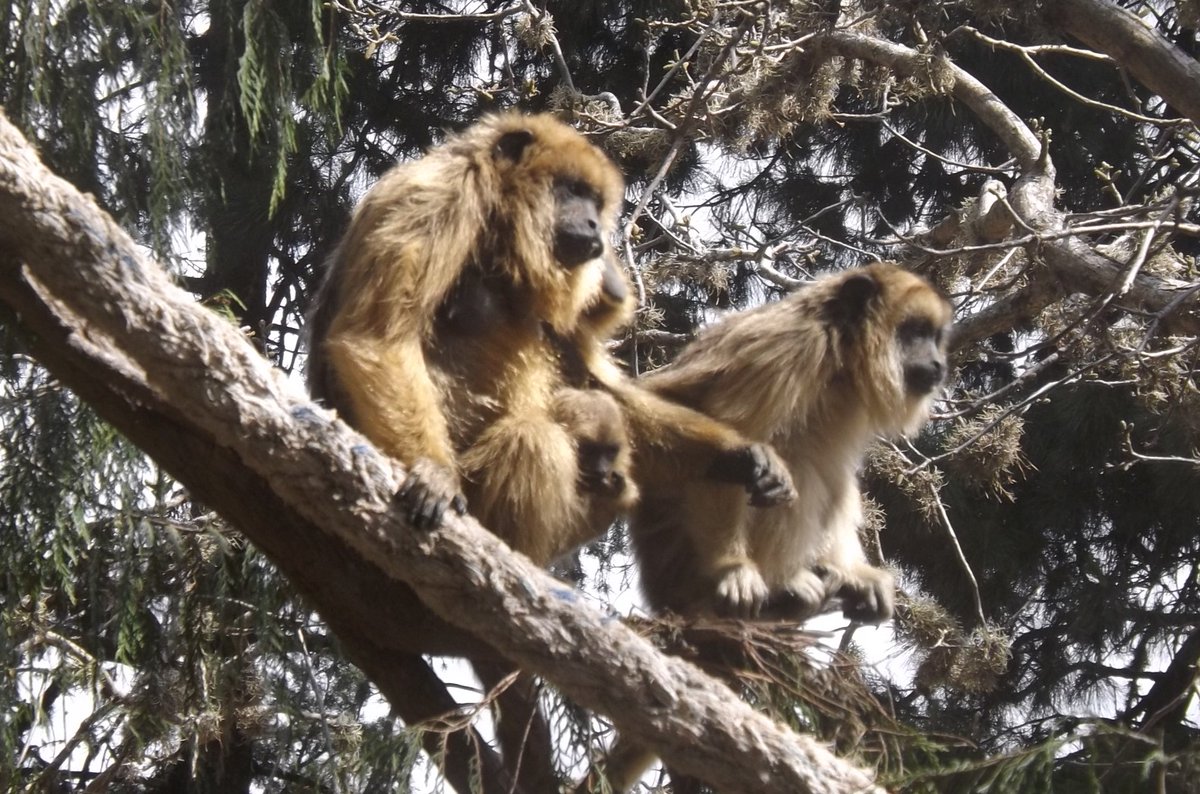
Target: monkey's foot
pixel 427 492
pixel 801 599
pixel 741 591
pixel 868 595
pixel 760 469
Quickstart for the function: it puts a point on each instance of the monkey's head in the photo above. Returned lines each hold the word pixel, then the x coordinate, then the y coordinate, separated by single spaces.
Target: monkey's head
pixel 557 198
pixel 894 330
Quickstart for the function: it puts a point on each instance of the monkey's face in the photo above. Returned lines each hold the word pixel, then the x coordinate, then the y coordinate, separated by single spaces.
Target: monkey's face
pixel 921 346
pixel 895 327
pixel 557 188
pixel 557 198
pixel 578 233
pixel 599 469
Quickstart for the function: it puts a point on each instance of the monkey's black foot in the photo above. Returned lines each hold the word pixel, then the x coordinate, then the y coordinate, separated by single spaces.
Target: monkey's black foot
pixel 760 469
pixel 870 599
pixel 804 597
pixel 427 493
pixel 789 605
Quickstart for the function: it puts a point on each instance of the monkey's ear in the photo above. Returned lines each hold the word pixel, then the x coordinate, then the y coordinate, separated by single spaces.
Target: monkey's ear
pixel 512 145
pixel 849 304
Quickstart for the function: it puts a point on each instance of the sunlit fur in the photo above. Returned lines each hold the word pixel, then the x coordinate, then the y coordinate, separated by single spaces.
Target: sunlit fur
pixel 818 377
pixel 479 404
pixel 819 380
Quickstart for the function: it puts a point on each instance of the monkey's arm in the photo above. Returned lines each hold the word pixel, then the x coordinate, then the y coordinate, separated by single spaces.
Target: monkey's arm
pixel 675 448
pixel 383 379
pixel 675 444
pixel 391 398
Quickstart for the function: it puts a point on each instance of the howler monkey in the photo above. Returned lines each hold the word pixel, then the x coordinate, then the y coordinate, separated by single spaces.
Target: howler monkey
pixel 818 375
pixel 473 287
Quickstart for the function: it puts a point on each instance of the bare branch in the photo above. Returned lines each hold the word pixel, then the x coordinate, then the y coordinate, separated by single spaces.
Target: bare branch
pixel 1027 53
pixel 1019 139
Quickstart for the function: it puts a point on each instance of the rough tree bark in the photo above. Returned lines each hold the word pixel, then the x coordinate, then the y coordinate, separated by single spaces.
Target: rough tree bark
pixel 186 386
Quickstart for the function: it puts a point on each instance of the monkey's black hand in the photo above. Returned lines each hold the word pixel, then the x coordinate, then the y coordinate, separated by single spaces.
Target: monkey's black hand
pixel 427 492
pixel 760 469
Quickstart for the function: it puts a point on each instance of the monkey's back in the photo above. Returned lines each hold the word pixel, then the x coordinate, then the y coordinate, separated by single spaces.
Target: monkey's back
pixel 791 374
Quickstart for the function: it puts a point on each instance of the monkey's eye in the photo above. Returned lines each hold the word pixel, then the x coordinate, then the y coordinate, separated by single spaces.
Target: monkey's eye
pixel 576 188
pixel 916 328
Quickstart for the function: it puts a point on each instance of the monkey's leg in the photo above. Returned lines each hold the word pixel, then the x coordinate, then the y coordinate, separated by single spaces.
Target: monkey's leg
pixel 868 593
pixel 674 443
pixel 522 475
pixel 680 457
pixel 722 577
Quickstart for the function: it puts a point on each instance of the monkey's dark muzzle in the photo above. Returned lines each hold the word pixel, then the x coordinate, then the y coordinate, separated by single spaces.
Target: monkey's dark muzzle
pixel 573 248
pixel 922 380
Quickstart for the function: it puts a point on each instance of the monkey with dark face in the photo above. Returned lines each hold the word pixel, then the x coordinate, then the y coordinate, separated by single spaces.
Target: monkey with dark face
pixel 472 287
pixel 593 418
pixel 461 328
pixel 818 375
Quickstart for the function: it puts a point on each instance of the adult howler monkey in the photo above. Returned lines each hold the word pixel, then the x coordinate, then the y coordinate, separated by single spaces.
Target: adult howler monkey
pixel 472 287
pixel 461 328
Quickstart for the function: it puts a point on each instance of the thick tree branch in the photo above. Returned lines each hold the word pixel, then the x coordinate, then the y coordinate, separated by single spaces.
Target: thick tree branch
pixel 273 445
pixel 341 584
pixel 1154 61
pixel 1007 126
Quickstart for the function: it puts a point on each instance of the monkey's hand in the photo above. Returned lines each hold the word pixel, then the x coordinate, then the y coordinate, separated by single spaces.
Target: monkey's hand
pixel 741 591
pixel 868 594
pixel 760 469
pixel 427 492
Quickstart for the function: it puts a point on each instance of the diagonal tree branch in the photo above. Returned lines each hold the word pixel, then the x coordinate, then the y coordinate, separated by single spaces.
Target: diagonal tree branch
pixel 1154 61
pixel 274 446
pixel 337 580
